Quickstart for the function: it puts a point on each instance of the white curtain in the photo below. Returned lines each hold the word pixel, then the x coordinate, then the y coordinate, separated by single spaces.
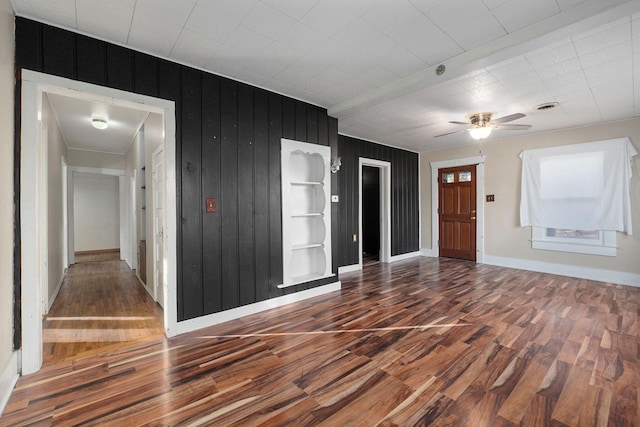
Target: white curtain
pixel 578 187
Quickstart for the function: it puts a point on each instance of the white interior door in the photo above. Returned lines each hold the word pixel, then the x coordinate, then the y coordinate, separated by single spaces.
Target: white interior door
pixel 158 225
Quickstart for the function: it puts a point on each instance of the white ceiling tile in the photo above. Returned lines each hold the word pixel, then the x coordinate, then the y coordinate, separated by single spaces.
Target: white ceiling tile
pixel 268 21
pixel 232 10
pixel 605 56
pixel 210 24
pixel 110 21
pixel 514 84
pixel 476 80
pixel 507 69
pixel 559 69
pixel 153 34
pixel 389 19
pixel 174 11
pixel 272 60
pixel 303 38
pixel 569 4
pixel 190 48
pixel 604 37
pixel 329 17
pixel 425 40
pixel 246 40
pixel 294 8
pixel 468 22
pixel 558 52
pixel 517 14
pixel 62 12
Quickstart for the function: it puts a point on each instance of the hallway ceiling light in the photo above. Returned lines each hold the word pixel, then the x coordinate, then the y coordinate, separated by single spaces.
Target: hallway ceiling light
pixel 99 124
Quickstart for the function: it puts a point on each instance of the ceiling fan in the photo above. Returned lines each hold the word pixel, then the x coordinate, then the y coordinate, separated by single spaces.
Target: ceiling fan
pixel 480 125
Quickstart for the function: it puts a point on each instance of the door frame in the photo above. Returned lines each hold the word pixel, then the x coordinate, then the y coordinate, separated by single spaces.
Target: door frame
pixel 435 226
pixel 385 207
pixel 33 87
pixel 158 151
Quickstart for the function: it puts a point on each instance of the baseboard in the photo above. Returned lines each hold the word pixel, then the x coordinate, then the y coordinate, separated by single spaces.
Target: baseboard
pixel 600 275
pixel 401 257
pixel 428 252
pixel 349 268
pixel 97 252
pixel 144 285
pixel 246 310
pixel 53 297
pixel 8 378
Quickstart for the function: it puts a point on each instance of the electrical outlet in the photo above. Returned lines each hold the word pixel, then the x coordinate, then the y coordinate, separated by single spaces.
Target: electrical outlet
pixel 491 198
pixel 355 237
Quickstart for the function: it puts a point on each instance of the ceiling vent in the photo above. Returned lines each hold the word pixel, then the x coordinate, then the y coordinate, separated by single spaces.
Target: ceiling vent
pixel 547 106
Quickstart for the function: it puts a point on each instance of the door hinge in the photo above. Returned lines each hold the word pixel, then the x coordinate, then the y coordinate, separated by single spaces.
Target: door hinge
pixel 438 211
pixel 438 242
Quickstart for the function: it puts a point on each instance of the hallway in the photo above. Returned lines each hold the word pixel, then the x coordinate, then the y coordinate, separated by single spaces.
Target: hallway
pixel 101 306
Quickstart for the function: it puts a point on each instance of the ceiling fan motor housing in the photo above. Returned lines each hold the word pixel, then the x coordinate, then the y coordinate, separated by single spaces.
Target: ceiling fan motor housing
pixel 480 120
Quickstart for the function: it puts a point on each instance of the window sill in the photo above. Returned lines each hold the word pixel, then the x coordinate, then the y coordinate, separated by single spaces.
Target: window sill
pixel 579 248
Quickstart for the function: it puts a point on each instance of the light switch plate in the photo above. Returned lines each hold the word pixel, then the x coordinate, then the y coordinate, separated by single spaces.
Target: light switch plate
pixel 335 198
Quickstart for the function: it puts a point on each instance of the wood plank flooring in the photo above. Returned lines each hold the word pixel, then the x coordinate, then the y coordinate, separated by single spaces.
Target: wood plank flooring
pixel 101 305
pixel 420 342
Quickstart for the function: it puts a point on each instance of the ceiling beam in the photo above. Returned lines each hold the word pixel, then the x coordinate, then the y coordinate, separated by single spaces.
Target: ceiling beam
pixel 581 18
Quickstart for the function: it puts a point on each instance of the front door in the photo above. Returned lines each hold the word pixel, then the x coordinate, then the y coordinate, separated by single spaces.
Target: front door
pixel 457 212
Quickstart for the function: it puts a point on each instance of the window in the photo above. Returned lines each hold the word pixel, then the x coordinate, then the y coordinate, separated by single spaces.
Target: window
pixel 570 194
pixel 594 242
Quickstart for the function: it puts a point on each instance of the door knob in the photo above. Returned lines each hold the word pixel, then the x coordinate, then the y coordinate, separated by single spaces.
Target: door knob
pixel 473 217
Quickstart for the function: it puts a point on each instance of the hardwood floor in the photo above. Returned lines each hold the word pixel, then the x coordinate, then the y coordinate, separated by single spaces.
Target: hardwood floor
pixel 101 305
pixel 425 341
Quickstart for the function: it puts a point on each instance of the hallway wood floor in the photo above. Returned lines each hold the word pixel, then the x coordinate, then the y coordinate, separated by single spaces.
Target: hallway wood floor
pixel 101 305
pixel 426 341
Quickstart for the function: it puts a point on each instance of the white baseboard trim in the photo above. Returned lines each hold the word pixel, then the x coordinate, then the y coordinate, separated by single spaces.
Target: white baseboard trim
pixel 349 268
pixel 8 378
pixel 144 285
pixel 600 275
pixel 401 257
pixel 428 252
pixel 55 293
pixel 236 313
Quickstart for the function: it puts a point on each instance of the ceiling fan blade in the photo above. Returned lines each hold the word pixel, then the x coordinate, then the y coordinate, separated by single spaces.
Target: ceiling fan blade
pixel 509 118
pixel 513 127
pixel 449 133
pixel 460 123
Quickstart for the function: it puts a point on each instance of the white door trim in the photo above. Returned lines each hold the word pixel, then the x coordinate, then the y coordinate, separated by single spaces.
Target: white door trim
pixel 156 283
pixel 34 84
pixel 435 226
pixel 385 208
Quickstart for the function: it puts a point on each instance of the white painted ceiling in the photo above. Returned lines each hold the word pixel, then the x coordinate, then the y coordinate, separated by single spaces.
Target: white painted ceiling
pixel 74 118
pixel 372 63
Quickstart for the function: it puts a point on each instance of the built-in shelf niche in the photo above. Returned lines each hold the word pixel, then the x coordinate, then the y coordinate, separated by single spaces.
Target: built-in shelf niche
pixel 306 212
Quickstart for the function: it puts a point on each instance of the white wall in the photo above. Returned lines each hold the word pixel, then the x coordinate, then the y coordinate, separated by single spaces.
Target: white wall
pixel 96 212
pixel 8 361
pixel 56 149
pixel 504 238
pixel 93 159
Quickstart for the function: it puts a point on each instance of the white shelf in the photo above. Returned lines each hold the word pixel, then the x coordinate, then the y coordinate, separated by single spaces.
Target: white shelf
pixel 307 246
pixel 305 183
pixel 306 214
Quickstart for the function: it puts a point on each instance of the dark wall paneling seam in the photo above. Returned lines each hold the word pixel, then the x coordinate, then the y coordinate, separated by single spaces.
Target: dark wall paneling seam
pixel 227 147
pixel 404 197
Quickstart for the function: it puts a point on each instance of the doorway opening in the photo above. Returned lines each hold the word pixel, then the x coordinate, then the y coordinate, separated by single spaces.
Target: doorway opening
pixel 374 211
pixel 370 215
pixel 35 88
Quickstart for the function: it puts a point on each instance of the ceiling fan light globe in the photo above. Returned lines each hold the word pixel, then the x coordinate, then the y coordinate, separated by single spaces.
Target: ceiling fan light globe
pixel 480 132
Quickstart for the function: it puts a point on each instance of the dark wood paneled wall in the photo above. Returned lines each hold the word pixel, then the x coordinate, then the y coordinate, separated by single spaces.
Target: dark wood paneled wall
pixel 404 197
pixel 227 147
